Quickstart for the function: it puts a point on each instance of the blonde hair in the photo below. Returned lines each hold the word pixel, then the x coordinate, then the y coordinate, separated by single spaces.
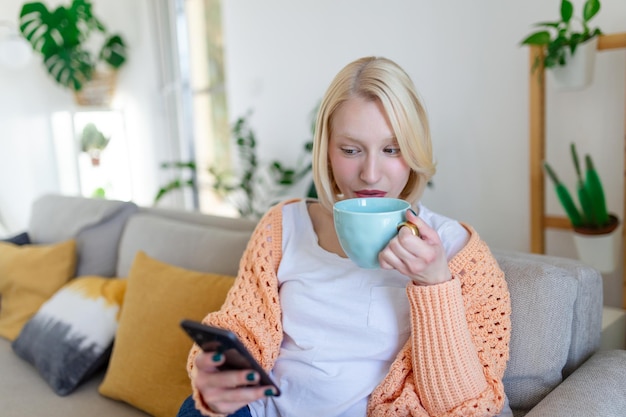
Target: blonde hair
pixel 375 78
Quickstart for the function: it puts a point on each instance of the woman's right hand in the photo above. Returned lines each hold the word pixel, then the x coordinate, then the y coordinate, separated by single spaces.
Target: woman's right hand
pixel 225 392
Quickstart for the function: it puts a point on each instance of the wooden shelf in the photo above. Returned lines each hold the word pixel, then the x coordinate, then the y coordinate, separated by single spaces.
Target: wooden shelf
pixel 539 221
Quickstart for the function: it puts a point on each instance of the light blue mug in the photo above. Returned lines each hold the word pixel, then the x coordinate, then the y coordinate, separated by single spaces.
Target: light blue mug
pixel 364 226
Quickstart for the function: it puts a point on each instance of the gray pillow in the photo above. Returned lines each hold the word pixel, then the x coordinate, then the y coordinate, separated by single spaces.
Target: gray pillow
pixel 95 224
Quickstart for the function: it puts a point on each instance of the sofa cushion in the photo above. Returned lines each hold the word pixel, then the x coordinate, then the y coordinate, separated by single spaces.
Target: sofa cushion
pixel 147 368
pixel 95 224
pixel 539 346
pixel 71 335
pixel 29 275
pixel 597 388
pixel 25 393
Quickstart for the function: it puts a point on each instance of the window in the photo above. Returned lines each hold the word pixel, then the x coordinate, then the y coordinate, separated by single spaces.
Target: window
pixel 192 67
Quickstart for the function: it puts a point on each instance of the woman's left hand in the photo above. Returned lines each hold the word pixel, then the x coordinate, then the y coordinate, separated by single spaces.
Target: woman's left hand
pixel 421 258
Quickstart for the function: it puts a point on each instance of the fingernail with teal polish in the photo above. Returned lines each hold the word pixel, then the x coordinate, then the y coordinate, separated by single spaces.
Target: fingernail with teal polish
pixel 217 357
pixel 251 376
pixel 269 393
pixel 413 211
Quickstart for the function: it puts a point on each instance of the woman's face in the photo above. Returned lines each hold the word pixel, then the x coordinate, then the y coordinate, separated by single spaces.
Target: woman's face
pixel 364 155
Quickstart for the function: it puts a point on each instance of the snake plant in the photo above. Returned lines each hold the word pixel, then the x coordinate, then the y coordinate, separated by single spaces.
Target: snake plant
pixel 591 211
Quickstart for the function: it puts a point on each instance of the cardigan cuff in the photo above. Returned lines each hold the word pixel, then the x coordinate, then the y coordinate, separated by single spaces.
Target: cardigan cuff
pixel 445 362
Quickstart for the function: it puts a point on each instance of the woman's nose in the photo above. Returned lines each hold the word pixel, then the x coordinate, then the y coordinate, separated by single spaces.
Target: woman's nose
pixel 370 172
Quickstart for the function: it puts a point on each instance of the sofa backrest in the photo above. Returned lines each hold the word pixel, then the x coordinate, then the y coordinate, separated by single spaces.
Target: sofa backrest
pixel 556 316
pixel 195 241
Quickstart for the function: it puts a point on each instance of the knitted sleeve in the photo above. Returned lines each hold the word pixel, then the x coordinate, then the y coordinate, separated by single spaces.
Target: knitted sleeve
pixel 252 309
pixel 454 362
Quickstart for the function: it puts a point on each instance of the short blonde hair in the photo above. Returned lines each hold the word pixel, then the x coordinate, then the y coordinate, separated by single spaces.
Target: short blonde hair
pixel 375 78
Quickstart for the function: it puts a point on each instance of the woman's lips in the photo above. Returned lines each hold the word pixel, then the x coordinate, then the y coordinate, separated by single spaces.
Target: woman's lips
pixel 370 193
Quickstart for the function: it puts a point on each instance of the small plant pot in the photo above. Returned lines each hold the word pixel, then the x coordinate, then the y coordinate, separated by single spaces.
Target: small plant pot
pixel 577 73
pixel 599 247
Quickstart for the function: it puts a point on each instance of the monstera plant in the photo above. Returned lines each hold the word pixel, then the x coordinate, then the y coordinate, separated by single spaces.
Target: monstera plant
pixel 62 37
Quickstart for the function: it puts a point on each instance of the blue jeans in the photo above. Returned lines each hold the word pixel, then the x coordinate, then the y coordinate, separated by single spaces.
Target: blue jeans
pixel 188 409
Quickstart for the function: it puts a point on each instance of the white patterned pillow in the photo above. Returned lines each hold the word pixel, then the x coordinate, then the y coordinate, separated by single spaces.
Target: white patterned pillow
pixel 71 335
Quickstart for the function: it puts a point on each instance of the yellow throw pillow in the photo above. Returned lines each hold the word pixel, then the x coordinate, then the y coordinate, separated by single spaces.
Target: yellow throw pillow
pixel 148 364
pixel 29 275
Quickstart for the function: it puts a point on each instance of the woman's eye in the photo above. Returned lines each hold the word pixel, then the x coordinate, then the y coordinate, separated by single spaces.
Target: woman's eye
pixel 349 151
pixel 392 151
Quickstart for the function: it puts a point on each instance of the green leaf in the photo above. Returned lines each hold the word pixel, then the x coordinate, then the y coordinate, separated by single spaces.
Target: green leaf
pixel 39 27
pixel 114 51
pixel 585 203
pixel 576 161
pixel 553 25
pixel 590 9
pixel 551 174
pixel 596 192
pixel 567 10
pixel 70 67
pixel 576 39
pixel 564 197
pixel 537 38
pixel 568 205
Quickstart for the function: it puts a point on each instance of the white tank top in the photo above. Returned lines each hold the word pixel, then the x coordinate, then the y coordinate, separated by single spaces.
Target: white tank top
pixel 343 325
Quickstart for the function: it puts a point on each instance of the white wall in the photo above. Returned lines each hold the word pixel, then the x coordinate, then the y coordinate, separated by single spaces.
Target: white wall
pixel 28 98
pixel 464 57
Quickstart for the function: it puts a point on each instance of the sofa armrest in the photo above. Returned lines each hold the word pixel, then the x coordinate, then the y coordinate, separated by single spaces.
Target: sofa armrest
pixel 597 388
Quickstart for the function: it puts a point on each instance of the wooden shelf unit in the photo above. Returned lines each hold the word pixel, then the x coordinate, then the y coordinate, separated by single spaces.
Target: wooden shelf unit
pixel 539 221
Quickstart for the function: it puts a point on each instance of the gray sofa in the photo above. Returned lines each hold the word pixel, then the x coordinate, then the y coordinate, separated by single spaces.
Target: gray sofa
pixel 555 365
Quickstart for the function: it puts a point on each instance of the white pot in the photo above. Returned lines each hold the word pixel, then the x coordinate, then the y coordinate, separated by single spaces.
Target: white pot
pixel 600 251
pixel 578 70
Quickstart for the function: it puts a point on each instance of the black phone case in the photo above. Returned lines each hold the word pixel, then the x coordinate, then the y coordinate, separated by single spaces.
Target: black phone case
pixel 215 339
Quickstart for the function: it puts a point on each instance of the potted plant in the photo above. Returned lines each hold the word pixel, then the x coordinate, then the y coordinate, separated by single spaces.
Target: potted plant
pixel 93 142
pixel 596 236
pixel 76 47
pixel 253 187
pixel 569 49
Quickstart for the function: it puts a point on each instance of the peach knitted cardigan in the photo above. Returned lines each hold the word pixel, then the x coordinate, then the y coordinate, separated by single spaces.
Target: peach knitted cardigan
pixel 454 360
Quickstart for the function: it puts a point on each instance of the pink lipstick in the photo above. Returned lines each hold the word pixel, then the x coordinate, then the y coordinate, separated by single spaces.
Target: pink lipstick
pixel 370 193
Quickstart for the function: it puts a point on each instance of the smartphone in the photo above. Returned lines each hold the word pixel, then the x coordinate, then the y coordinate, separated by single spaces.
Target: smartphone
pixel 215 339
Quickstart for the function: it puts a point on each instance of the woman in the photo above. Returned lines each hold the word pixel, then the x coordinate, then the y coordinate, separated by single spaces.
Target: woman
pixel 426 334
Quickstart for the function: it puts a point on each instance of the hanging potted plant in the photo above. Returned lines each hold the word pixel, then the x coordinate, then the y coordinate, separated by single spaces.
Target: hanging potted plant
pixel 76 48
pixel 569 45
pixel 595 229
